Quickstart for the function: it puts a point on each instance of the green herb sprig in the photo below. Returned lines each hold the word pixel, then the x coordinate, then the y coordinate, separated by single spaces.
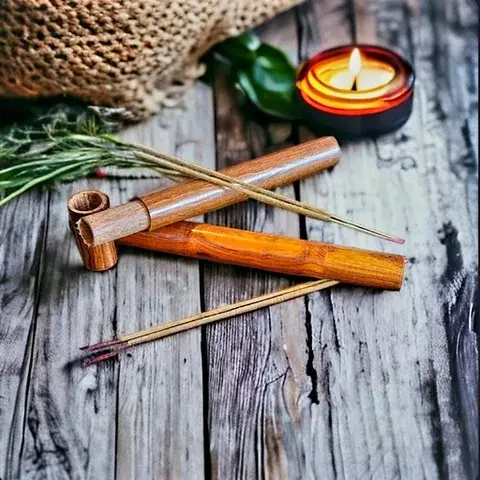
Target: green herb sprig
pixel 61 145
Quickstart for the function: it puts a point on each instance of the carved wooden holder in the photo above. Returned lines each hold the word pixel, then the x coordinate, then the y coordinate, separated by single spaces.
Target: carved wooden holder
pixel 84 203
pixel 249 249
pixel 159 216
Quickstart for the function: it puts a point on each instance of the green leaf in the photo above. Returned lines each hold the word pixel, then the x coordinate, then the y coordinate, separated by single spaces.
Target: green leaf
pixel 273 58
pixel 273 94
pixel 239 50
pixel 264 73
pixel 275 80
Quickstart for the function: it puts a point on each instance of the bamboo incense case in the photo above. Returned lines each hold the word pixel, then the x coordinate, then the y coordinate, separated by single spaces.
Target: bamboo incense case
pixel 273 253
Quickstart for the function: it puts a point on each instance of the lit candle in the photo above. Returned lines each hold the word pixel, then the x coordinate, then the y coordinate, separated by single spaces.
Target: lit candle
pixel 345 79
pixel 348 92
pixel 361 75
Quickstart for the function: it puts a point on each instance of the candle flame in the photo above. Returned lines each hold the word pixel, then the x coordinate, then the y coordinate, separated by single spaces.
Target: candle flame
pixel 355 63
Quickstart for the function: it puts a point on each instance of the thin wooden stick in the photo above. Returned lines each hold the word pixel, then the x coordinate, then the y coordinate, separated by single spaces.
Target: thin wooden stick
pixel 111 348
pixel 228 311
pixel 253 191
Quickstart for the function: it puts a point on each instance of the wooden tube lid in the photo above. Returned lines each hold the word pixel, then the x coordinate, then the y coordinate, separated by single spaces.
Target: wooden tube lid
pixel 86 202
pixel 199 196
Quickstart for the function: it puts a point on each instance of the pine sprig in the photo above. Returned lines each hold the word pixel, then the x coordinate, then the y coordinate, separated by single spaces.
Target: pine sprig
pixel 62 144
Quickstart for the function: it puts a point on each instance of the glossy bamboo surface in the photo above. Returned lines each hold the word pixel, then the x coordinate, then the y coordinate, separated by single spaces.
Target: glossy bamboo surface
pixel 196 197
pixel 275 253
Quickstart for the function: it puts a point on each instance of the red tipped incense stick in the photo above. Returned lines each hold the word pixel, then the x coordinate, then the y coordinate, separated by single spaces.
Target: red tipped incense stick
pixel 109 349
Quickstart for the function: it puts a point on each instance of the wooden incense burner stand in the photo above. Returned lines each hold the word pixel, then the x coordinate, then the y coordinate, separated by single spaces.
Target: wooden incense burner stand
pixel 249 249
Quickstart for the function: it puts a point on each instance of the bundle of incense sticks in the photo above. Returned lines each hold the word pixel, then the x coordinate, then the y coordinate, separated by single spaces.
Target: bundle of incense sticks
pixel 109 349
pixel 258 193
pixel 155 210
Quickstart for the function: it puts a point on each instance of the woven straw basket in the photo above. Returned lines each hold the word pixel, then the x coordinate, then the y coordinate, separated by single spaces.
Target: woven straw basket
pixel 139 55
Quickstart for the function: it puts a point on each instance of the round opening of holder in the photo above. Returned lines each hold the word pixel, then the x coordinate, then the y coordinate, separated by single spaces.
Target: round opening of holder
pixel 87 202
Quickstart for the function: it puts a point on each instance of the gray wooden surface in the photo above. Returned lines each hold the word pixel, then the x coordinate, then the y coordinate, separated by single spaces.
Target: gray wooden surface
pixel 348 384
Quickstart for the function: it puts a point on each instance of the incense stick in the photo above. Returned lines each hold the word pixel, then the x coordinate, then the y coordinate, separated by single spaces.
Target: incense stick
pixel 109 349
pixel 253 191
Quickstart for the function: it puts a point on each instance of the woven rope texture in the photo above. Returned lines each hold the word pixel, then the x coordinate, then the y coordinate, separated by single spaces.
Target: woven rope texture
pixel 139 55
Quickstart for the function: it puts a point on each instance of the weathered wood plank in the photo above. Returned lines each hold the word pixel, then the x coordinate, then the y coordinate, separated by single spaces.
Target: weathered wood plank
pixel 69 412
pixel 351 439
pixel 160 414
pixel 449 107
pixel 23 224
pixel 441 44
pixel 60 392
pixel 258 377
pixel 385 396
pixel 337 15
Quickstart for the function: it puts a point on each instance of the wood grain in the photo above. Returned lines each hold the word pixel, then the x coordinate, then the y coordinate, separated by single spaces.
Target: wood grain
pixel 69 414
pixel 274 253
pixel 64 423
pixel 254 427
pixel 348 384
pixel 21 257
pixel 449 108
